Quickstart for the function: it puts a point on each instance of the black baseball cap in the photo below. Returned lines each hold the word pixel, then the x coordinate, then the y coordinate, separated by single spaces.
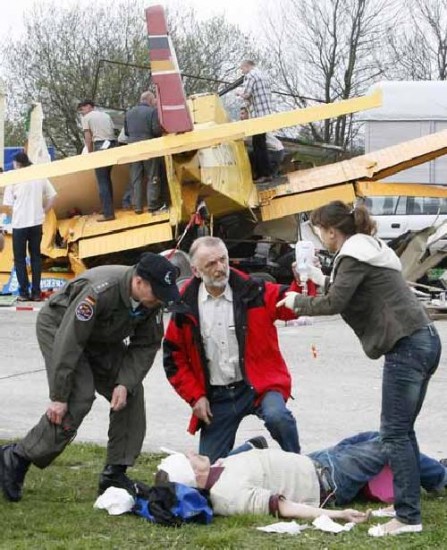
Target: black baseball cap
pixel 162 275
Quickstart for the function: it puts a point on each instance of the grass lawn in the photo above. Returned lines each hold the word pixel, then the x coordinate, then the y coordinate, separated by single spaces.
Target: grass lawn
pixel 56 512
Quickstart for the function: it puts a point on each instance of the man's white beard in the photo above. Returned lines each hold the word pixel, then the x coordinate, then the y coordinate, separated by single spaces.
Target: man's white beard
pixel 219 283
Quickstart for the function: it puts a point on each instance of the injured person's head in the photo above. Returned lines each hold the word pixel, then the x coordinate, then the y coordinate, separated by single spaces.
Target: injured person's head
pixel 191 469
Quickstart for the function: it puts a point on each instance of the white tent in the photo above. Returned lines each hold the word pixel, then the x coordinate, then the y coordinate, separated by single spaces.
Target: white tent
pixel 410 110
pixel 410 100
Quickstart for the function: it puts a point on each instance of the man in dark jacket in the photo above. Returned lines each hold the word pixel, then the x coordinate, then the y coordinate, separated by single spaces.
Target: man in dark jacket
pixel 141 122
pixel 99 333
pixel 223 356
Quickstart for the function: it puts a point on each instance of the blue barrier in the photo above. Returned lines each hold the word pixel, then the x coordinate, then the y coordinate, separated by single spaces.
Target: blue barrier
pixel 10 153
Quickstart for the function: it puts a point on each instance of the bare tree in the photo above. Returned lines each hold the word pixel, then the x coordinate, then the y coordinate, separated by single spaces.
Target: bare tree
pixel 211 50
pixel 56 62
pixel 15 133
pixel 64 56
pixel 419 44
pixel 329 50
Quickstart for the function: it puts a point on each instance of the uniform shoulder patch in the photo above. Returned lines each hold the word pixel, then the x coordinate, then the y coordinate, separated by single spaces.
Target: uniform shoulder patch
pixel 85 309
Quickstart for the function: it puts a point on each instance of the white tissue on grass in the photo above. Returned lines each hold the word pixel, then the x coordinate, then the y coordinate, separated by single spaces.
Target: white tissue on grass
pixel 288 527
pixel 116 501
pixel 325 523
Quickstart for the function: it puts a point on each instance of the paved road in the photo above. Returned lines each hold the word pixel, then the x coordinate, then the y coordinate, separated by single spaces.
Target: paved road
pixel 336 394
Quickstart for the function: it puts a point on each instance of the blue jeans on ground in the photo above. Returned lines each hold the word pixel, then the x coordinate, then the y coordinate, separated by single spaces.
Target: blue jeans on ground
pixel 21 238
pixel 105 183
pixel 407 370
pixel 230 404
pixel 357 459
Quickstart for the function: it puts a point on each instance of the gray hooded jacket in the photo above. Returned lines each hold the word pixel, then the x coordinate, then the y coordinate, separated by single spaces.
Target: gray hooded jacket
pixel 367 288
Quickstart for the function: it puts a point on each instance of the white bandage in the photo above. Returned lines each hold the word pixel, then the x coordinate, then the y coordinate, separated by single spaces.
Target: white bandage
pixel 179 469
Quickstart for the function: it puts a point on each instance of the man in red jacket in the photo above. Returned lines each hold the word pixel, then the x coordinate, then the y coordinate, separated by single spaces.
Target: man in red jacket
pixel 223 357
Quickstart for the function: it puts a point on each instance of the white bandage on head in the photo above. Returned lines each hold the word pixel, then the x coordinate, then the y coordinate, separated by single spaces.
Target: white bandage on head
pixel 179 469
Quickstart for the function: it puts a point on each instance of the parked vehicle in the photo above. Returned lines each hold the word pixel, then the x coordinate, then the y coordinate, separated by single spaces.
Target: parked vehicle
pixel 396 215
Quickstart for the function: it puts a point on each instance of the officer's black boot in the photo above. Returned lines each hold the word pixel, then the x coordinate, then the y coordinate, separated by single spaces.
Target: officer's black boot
pixel 114 475
pixel 13 468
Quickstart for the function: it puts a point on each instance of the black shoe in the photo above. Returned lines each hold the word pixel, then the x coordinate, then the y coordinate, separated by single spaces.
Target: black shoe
pixel 24 298
pixel 259 442
pixel 36 297
pixel 106 219
pixel 138 212
pixel 114 475
pixel 13 469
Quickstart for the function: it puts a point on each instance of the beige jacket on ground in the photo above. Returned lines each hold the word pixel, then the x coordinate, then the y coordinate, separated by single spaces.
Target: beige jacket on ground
pixel 250 479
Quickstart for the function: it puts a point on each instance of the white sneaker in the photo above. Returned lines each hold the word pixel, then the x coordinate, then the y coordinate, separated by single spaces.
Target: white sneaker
pixel 386 529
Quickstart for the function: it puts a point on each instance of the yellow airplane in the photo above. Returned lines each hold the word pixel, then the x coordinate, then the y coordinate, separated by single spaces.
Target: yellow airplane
pixel 208 163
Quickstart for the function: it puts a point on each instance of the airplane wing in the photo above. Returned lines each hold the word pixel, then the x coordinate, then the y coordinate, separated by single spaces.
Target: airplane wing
pixel 190 141
pixel 359 176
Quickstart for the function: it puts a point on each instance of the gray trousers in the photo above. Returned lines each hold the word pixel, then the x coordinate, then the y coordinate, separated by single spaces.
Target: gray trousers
pixel 140 170
pixel 94 372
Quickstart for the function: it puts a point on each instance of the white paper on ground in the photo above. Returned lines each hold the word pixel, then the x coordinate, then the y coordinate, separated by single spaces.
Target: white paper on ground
pixel 287 527
pixel 116 501
pixel 325 523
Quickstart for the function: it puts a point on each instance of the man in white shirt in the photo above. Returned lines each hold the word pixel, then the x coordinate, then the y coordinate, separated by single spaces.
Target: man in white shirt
pixel 29 202
pixel 99 135
pixel 223 357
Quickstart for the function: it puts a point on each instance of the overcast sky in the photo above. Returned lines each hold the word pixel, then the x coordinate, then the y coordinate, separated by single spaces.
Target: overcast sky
pixel 236 11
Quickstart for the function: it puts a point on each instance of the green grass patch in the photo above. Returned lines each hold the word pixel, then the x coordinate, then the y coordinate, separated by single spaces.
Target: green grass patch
pixel 57 513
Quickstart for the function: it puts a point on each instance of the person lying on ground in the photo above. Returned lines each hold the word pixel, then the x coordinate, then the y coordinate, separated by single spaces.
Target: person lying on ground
pixel 290 485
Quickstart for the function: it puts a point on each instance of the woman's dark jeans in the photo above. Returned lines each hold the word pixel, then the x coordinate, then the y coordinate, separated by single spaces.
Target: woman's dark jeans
pixel 406 373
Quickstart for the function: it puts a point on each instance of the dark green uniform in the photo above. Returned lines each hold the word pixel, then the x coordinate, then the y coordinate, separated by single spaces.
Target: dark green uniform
pixel 92 340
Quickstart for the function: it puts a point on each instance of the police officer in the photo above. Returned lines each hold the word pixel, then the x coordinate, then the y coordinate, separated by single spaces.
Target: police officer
pixel 101 333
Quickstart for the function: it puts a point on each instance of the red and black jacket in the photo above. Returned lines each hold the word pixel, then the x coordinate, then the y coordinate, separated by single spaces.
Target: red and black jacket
pixel 262 365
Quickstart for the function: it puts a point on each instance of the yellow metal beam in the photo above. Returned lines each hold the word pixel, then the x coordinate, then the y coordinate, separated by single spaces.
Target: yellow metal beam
pixel 303 202
pixel 286 119
pixel 126 240
pixel 394 189
pixel 274 207
pixel 373 166
pixel 197 139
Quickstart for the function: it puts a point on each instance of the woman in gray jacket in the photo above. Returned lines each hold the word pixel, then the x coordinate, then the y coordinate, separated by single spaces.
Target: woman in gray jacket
pixel 367 288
